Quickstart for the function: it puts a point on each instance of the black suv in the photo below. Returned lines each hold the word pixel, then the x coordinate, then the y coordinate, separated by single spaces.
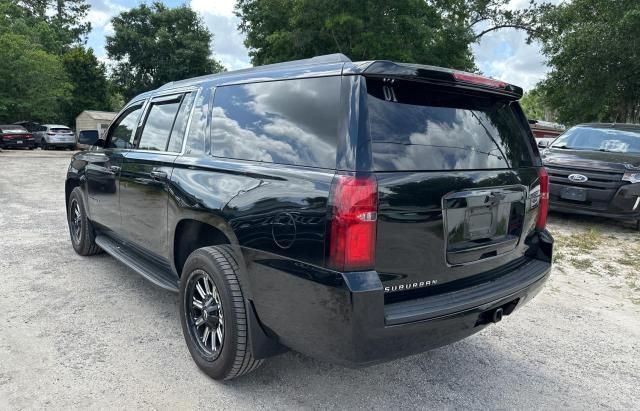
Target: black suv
pixel 594 169
pixel 354 212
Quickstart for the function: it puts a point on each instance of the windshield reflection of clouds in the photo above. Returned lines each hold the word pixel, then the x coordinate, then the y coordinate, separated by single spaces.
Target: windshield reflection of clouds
pixel 288 122
pixel 414 137
pixel 590 138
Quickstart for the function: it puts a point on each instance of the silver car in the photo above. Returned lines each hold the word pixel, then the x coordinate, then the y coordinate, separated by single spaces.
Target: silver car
pixel 53 136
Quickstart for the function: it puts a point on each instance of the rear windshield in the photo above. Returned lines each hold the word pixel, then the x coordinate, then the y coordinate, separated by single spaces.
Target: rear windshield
pixel 61 130
pixel 13 129
pixel 415 126
pixel 88 135
pixel 599 139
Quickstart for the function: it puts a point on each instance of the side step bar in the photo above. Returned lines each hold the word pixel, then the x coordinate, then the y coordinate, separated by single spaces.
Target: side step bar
pixel 152 271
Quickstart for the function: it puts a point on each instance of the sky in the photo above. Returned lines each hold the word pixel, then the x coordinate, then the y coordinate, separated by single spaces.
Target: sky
pixel 503 54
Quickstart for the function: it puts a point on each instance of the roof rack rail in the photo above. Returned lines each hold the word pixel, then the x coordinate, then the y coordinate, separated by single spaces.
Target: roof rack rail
pixel 324 59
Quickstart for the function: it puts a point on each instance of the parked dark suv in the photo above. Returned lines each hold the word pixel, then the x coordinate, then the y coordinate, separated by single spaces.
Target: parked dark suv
pixel 355 212
pixel 594 169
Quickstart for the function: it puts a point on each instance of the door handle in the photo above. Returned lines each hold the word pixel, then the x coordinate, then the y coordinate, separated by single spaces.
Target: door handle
pixel 158 175
pixel 115 169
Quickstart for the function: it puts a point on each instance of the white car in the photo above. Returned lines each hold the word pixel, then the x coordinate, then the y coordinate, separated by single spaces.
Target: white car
pixel 53 136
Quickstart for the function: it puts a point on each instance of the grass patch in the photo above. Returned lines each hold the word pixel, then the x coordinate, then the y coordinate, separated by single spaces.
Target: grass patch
pixel 585 241
pixel 610 269
pixel 581 263
pixel 557 257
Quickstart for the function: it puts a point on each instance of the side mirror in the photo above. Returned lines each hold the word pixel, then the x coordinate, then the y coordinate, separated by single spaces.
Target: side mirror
pixel 543 144
pixel 99 143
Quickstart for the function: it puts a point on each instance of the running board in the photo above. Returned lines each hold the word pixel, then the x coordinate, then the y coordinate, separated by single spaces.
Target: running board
pixel 152 271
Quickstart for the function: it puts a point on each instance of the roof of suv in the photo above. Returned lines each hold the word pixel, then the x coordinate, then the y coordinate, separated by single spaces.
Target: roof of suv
pixel 617 126
pixel 337 64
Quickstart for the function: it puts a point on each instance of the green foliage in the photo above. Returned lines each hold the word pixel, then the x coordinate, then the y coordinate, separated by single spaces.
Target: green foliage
pixel 533 104
pixel 153 45
pixel 33 83
pixel 45 75
pixel 90 88
pixel 56 25
pixel 437 32
pixel 593 48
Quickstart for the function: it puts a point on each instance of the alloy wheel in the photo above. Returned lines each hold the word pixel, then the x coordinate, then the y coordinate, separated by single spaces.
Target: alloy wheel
pixel 205 316
pixel 75 221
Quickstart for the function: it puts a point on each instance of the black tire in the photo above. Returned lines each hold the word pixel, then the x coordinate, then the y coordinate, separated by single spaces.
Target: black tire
pixel 233 357
pixel 43 145
pixel 80 227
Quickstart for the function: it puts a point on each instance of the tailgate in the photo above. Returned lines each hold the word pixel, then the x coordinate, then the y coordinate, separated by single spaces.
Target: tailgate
pixel 458 183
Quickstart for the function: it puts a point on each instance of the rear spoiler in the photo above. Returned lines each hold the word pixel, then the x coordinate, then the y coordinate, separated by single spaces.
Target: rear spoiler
pixel 436 75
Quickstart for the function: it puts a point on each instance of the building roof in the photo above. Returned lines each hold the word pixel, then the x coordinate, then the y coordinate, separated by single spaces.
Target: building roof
pixel 99 115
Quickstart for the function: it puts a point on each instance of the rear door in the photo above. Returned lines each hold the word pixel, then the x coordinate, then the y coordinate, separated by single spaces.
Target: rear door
pixel 147 169
pixel 456 171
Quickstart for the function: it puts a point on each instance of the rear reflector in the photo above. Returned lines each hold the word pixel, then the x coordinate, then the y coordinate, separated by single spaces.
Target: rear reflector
pixel 543 207
pixel 477 79
pixel 353 223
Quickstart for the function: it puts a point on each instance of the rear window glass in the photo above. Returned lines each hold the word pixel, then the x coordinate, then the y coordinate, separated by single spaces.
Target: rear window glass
pixel 61 130
pixel 420 127
pixel 87 136
pixel 286 122
pixel 13 130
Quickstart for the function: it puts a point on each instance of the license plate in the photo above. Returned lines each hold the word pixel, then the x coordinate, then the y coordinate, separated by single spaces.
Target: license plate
pixel 574 194
pixel 18 142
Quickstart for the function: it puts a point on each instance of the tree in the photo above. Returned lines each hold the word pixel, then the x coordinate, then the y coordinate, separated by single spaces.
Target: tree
pixel 56 25
pixel 593 49
pixel 153 45
pixel 437 32
pixel 90 88
pixel 33 83
pixel 533 105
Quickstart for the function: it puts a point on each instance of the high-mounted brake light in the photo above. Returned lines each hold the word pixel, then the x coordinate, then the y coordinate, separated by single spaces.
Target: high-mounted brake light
pixel 543 206
pixel 353 223
pixel 477 79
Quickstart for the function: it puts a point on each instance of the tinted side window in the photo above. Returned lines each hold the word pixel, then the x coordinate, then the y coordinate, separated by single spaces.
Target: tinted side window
pixel 286 122
pixel 123 130
pixel 198 130
pixel 421 127
pixel 157 127
pixel 177 134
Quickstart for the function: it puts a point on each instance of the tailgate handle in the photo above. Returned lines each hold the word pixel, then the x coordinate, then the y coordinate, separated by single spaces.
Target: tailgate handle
pixel 494 198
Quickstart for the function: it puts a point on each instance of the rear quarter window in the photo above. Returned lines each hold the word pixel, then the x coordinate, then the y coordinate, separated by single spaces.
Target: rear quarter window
pixel 415 126
pixel 287 122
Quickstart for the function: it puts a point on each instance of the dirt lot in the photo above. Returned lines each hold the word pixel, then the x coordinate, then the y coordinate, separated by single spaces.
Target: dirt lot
pixel 89 333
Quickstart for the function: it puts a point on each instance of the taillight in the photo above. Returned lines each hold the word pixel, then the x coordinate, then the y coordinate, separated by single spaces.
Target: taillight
pixel 353 223
pixel 543 206
pixel 477 79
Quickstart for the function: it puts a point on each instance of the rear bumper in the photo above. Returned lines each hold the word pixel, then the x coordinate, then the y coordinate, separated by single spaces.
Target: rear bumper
pixel 344 319
pixel 12 143
pixel 62 145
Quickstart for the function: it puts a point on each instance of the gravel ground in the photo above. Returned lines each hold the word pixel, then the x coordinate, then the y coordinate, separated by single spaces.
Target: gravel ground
pixel 81 332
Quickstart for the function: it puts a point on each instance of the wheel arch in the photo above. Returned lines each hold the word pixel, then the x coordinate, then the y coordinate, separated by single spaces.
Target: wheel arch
pixel 69 185
pixel 193 232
